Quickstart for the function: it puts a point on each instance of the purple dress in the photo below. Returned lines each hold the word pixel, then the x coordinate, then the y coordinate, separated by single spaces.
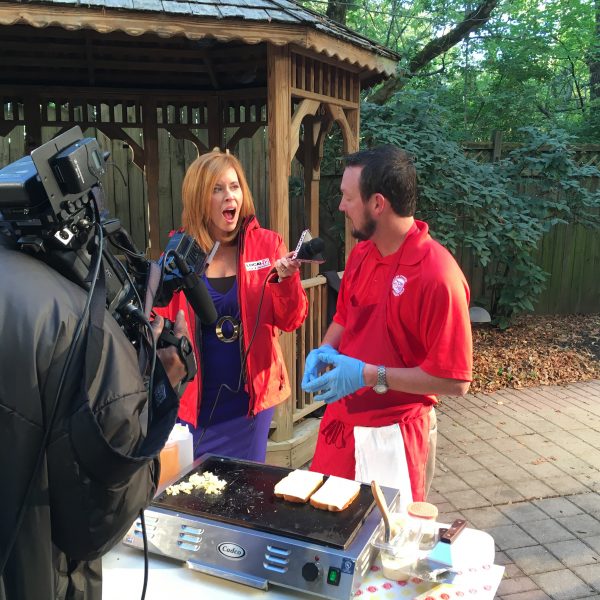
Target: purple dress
pixel 224 426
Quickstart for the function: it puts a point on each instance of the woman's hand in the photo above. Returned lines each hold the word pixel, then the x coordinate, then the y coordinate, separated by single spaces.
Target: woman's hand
pixel 286 267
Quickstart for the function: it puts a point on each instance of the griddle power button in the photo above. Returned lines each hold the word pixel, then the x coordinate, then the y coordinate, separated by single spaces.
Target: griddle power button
pixel 311 571
pixel 333 576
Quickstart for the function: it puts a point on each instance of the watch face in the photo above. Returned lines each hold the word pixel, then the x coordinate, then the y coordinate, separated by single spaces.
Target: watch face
pixel 380 388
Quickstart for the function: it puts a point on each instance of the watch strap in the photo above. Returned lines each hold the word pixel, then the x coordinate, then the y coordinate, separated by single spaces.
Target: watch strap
pixel 381 376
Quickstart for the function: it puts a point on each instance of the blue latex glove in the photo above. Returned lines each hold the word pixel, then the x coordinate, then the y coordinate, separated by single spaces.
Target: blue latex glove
pixel 345 377
pixel 313 366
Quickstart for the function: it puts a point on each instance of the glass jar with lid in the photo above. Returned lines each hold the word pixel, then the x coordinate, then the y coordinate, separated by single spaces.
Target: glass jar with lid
pixel 427 514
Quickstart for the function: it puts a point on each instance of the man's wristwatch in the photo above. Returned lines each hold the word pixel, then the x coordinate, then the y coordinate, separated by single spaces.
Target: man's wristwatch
pixel 381 387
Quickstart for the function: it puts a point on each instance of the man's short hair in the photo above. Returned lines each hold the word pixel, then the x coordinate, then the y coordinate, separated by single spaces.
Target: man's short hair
pixel 389 171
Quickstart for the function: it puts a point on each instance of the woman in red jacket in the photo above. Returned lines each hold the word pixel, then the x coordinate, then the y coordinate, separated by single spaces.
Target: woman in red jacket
pixel 256 289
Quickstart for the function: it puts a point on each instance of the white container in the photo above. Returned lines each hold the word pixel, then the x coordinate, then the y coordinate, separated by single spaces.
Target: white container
pixel 399 555
pixel 182 436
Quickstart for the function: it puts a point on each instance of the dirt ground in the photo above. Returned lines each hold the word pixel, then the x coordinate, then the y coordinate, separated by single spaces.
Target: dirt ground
pixel 536 350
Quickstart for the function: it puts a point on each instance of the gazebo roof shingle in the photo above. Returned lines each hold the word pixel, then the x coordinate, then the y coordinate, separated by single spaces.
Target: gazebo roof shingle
pixel 258 11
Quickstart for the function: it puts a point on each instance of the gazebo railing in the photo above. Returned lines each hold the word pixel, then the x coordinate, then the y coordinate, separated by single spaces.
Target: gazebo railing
pixel 307 337
pixel 296 345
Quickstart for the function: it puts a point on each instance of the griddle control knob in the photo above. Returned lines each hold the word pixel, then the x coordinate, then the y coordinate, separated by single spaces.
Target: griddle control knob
pixel 311 571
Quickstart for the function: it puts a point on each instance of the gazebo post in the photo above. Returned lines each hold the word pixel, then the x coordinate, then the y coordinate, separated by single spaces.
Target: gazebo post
pixel 279 115
pixel 312 178
pixel 351 144
pixel 215 123
pixel 33 118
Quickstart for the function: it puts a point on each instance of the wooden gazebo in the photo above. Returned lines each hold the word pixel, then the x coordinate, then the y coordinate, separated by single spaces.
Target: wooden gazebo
pixel 210 72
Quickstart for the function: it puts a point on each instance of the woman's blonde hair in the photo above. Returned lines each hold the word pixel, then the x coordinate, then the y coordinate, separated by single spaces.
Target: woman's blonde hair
pixel 198 184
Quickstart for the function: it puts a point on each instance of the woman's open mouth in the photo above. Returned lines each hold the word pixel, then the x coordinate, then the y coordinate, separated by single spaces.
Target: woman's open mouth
pixel 229 214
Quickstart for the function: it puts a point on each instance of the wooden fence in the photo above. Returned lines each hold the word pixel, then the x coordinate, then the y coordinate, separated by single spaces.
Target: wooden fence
pixel 124 183
pixel 571 254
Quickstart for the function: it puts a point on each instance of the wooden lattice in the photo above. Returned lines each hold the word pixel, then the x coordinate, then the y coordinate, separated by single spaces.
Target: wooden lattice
pixel 314 78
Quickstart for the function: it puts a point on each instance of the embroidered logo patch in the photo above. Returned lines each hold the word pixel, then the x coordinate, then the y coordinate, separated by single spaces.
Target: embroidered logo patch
pixel 256 265
pixel 398 284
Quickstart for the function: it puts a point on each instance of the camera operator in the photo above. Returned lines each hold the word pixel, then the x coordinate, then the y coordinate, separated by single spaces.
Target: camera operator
pixel 40 311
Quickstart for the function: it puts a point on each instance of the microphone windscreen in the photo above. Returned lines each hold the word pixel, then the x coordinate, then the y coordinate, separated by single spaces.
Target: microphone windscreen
pixel 199 297
pixel 310 249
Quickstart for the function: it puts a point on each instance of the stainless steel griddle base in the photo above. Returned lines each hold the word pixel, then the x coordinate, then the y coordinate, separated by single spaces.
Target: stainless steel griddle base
pixel 236 550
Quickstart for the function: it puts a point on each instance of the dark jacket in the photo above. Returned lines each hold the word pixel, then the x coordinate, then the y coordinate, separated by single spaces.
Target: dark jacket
pixel 284 307
pixel 40 311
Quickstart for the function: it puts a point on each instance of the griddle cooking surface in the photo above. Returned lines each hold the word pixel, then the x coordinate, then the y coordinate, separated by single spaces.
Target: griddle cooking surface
pixel 248 500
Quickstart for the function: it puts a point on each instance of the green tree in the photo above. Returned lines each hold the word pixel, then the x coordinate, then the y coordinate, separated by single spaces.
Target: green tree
pixel 493 65
pixel 594 67
pixel 530 69
pixel 492 210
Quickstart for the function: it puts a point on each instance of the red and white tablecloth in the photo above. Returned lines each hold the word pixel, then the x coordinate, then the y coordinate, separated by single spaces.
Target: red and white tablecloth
pixel 478 583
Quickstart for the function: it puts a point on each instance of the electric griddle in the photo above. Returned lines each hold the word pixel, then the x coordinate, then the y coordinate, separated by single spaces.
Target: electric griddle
pixel 248 535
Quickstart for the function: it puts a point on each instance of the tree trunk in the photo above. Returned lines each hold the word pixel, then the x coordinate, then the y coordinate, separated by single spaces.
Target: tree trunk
pixel 594 62
pixel 473 21
pixel 337 10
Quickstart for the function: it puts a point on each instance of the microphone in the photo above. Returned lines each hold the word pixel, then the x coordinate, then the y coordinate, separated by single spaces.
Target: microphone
pixel 307 252
pixel 201 302
pixel 311 250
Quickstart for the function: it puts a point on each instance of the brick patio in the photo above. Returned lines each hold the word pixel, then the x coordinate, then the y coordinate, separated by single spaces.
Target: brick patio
pixel 524 465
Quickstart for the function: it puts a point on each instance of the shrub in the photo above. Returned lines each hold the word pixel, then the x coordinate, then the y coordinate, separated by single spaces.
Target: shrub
pixel 498 211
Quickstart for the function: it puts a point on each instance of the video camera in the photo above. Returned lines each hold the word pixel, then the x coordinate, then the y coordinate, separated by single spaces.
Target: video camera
pixel 51 205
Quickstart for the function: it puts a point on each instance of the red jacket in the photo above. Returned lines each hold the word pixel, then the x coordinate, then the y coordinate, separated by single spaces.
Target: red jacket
pixel 284 307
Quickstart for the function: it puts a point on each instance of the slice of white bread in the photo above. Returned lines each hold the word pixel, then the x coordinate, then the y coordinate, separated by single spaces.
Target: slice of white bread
pixel 336 494
pixel 298 485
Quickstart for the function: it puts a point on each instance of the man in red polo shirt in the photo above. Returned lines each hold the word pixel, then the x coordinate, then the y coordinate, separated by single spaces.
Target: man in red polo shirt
pixel 401 334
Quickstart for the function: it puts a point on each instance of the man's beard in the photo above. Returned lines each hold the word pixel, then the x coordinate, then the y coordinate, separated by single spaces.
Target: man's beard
pixel 366 231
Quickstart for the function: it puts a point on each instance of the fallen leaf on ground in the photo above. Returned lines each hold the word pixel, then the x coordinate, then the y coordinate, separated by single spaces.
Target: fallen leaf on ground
pixel 536 350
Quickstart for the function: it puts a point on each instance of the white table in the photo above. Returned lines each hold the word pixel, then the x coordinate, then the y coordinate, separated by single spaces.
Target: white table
pixel 123 578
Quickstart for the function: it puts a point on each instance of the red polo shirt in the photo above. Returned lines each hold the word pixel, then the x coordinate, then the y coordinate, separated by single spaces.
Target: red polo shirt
pixel 425 322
